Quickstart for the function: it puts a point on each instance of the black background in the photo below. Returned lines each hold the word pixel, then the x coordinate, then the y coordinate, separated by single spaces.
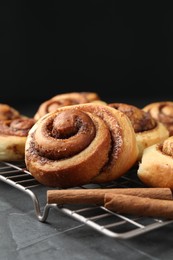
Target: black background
pixel 122 52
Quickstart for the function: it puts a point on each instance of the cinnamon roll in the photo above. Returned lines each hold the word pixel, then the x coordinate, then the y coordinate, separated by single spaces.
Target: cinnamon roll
pixel 13 134
pixel 80 144
pixel 8 113
pixel 148 130
pixel 65 99
pixel 163 112
pixel 156 167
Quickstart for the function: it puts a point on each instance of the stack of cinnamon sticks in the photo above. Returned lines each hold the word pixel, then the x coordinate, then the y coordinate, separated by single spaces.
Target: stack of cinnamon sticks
pixel 151 202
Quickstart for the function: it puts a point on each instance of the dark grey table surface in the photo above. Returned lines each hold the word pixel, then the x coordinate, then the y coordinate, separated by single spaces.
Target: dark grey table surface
pixel 23 236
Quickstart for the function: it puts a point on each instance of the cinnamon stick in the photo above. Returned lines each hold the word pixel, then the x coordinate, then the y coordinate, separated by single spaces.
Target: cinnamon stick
pixel 96 196
pixel 129 204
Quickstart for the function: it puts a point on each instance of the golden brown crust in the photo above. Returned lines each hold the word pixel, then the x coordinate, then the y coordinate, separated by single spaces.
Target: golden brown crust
pixel 8 113
pixel 148 130
pixel 13 134
pixel 162 111
pixel 156 167
pixel 110 151
pixel 66 99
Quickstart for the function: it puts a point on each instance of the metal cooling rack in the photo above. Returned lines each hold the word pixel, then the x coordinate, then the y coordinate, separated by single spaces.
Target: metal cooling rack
pixel 97 217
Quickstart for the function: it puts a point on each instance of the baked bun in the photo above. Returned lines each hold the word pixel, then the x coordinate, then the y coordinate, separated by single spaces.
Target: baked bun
pixel 13 135
pixel 148 130
pixel 163 112
pixel 8 113
pixel 66 99
pixel 156 167
pixel 80 144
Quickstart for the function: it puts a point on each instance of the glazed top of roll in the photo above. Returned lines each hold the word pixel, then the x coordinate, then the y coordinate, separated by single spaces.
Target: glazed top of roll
pixel 147 129
pixel 8 112
pixel 162 111
pixel 16 127
pixel 67 99
pixel 80 144
pixel 141 120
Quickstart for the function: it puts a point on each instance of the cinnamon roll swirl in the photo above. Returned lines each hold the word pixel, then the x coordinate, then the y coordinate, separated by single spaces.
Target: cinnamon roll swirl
pixel 163 112
pixel 156 167
pixel 66 99
pixel 148 130
pixel 80 144
pixel 8 113
pixel 13 134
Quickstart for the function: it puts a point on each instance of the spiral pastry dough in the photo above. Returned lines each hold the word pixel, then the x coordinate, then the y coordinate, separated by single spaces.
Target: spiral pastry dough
pixel 80 144
pixel 163 112
pixel 7 112
pixel 13 134
pixel 148 131
pixel 156 167
pixel 66 99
